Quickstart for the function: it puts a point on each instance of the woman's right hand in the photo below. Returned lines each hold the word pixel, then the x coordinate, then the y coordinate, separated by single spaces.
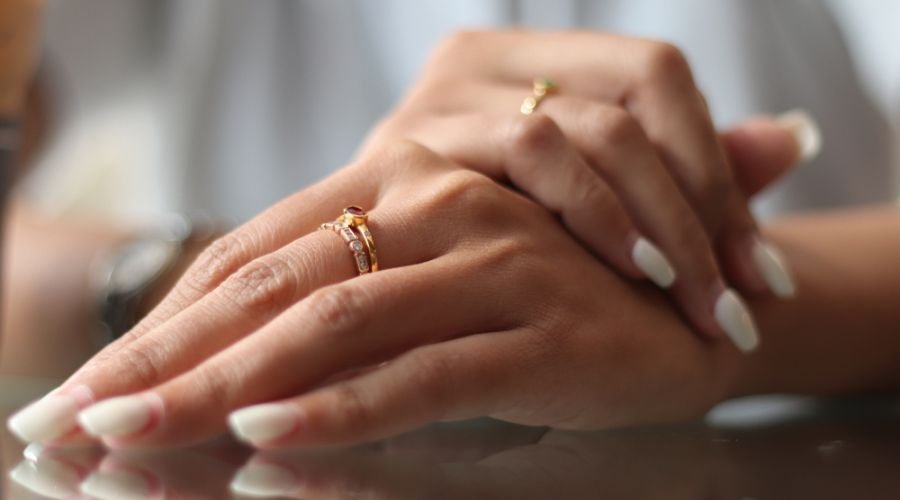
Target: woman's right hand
pixel 622 149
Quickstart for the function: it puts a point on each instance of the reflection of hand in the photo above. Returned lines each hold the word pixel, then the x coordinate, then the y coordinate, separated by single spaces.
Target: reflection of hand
pixel 622 141
pixel 486 307
pixel 188 474
pixel 794 461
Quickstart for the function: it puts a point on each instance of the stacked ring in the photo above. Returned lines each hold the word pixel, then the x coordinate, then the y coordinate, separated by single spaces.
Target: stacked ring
pixel 352 227
pixel 356 217
pixel 539 90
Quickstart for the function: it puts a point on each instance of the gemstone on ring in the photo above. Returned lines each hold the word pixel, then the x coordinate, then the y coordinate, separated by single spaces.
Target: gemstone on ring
pixel 356 213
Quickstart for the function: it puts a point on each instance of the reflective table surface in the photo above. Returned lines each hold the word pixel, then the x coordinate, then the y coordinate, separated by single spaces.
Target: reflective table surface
pixel 775 448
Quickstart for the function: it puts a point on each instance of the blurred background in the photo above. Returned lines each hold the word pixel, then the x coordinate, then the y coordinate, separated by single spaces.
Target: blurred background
pixel 221 107
pixel 225 106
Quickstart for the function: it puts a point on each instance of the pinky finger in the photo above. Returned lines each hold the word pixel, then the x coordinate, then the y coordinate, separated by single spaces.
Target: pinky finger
pixel 462 378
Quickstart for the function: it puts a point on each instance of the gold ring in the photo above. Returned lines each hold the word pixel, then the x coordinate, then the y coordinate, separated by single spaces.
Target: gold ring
pixel 356 246
pixel 356 217
pixel 539 89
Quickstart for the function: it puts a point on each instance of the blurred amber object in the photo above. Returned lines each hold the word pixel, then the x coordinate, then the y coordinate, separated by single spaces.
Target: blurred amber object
pixel 19 43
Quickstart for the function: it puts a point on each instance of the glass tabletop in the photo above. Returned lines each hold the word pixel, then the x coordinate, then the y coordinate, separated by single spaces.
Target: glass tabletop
pixel 772 448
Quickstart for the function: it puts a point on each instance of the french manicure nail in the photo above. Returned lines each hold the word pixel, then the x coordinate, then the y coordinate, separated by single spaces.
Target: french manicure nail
pixel 735 319
pixel 261 423
pixel 264 480
pixel 651 261
pixel 50 417
pixel 121 416
pixel 117 485
pixel 806 131
pixel 771 265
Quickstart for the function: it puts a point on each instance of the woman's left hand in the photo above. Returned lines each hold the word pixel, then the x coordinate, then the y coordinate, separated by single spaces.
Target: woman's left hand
pixel 485 306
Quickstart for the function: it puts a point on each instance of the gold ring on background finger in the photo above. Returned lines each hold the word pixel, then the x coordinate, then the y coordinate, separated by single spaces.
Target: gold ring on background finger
pixel 540 88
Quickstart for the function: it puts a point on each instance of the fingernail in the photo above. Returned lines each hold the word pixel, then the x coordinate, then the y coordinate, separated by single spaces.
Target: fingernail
pixel 805 130
pixel 117 485
pixel 48 479
pixel 735 319
pixel 50 417
pixel 121 416
pixel 261 423
pixel 33 452
pixel 264 480
pixel 771 265
pixel 651 261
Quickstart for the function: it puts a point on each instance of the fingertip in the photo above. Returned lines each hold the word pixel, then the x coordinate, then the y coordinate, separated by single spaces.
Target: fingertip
pixel 805 130
pixel 761 150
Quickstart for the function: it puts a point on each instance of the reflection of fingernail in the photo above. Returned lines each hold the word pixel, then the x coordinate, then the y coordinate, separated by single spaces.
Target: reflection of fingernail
pixel 117 485
pixel 51 417
pixel 771 265
pixel 651 261
pixel 735 319
pixel 261 423
pixel 264 480
pixel 47 478
pixel 120 416
pixel 805 130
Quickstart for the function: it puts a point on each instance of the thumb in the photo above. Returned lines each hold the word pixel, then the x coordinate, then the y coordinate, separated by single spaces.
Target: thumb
pixel 762 149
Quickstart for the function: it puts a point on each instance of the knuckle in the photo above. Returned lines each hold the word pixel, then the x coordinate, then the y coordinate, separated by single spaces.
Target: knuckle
pixel 665 62
pixel 398 157
pixel 219 383
pixel 434 372
pixel 465 190
pixel 142 363
pixel 351 405
pixel 263 285
pixel 339 309
pixel 216 263
pixel 534 132
pixel 595 197
pixel 711 189
pixel 612 128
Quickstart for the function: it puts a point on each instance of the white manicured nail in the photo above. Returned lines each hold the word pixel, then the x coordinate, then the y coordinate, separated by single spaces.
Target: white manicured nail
pixel 264 480
pixel 120 416
pixel 117 485
pixel 806 131
pixel 266 422
pixel 51 417
pixel 772 267
pixel 651 261
pixel 33 452
pixel 733 316
pixel 49 479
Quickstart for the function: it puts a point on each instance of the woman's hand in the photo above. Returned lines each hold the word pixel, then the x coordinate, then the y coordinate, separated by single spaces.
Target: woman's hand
pixel 485 306
pixel 622 148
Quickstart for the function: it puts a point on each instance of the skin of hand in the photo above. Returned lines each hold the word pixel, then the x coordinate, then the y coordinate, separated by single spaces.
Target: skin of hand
pixel 485 306
pixel 624 141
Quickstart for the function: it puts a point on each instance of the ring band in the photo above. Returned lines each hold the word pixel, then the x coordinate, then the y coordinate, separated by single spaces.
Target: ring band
pixel 357 249
pixel 352 227
pixel 356 217
pixel 539 90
